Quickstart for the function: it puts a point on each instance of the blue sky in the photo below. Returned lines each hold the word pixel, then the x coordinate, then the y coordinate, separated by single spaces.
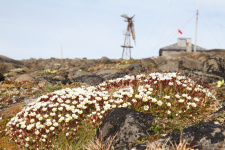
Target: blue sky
pixel 94 28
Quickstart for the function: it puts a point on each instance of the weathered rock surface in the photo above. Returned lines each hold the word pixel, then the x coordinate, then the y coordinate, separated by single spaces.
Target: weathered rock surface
pixel 170 67
pixel 190 64
pixel 204 136
pixel 111 74
pixel 127 125
pixel 24 77
pixel 89 79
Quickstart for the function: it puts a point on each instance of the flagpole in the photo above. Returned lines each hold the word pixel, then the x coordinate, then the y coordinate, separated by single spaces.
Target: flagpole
pixel 196 27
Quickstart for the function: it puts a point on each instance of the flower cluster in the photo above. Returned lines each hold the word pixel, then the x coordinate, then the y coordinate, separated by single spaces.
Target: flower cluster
pixel 165 95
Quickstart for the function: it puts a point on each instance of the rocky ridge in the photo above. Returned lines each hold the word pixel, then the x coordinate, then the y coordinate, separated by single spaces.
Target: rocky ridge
pixel 22 81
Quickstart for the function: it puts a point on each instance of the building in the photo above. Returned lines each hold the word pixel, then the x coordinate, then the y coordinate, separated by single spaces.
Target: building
pixel 183 45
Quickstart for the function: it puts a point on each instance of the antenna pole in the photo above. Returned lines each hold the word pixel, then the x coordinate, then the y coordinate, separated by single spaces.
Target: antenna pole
pixel 196 27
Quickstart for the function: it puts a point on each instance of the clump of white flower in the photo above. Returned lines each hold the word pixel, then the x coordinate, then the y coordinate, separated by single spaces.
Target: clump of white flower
pixel 156 93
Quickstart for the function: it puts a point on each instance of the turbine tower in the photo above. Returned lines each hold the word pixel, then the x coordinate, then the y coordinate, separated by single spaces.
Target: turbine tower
pixel 127 41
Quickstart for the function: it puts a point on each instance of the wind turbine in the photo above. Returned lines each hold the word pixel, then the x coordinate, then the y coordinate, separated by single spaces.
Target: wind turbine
pixel 127 41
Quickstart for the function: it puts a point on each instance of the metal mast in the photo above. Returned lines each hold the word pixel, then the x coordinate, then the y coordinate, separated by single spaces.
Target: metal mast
pixel 127 41
pixel 196 27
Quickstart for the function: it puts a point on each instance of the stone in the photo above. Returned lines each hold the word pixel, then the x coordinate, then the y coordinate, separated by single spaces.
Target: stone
pixel 215 66
pixel 105 60
pixel 24 77
pixel 2 78
pixel 89 79
pixel 190 64
pixel 170 67
pixel 148 63
pixel 127 125
pixel 111 74
pixel 134 69
pixel 205 135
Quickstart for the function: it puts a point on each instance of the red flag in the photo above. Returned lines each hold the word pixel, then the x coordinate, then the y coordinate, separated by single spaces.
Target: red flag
pixel 179 31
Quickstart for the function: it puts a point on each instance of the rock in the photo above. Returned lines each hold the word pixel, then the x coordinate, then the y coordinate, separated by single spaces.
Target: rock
pixel 80 73
pixel 127 125
pixel 2 78
pixel 89 79
pixel 111 74
pixel 170 67
pixel 9 60
pixel 134 69
pixel 24 77
pixel 148 63
pixel 215 66
pixel 206 136
pixel 105 60
pixel 190 64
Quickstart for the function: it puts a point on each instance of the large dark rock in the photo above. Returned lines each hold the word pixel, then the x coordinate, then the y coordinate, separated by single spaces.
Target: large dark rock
pixel 111 74
pixel 134 69
pixel 1 77
pixel 170 67
pixel 105 60
pixel 204 136
pixel 215 65
pixel 148 63
pixel 190 64
pixel 127 125
pixel 89 79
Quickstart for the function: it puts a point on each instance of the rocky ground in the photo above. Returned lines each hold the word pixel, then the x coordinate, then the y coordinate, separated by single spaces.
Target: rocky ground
pixel 21 81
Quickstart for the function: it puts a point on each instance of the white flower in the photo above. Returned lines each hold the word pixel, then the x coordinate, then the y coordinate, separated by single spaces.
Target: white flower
pixel 52 128
pixel 168 104
pixel 177 96
pixel 67 101
pixel 181 100
pixel 154 100
pixel 33 114
pixel 159 103
pixel 48 123
pixel 74 116
pixel 26 145
pixel 167 97
pixel 196 99
pixel 37 132
pixel 44 109
pixel 189 97
pixel 168 112
pixel 52 114
pixel 138 96
pixel 193 105
pixel 74 102
pixel 23 126
pixel 170 83
pixel 113 106
pixel 54 109
pixel 45 116
pixel 32 121
pixel 43 140
pixel 27 139
pixel 68 108
pixel 145 99
pixel 67 134
pixel 146 108
pixel 60 108
pixel 124 105
pixel 184 95
pixel 134 100
pixel 55 124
